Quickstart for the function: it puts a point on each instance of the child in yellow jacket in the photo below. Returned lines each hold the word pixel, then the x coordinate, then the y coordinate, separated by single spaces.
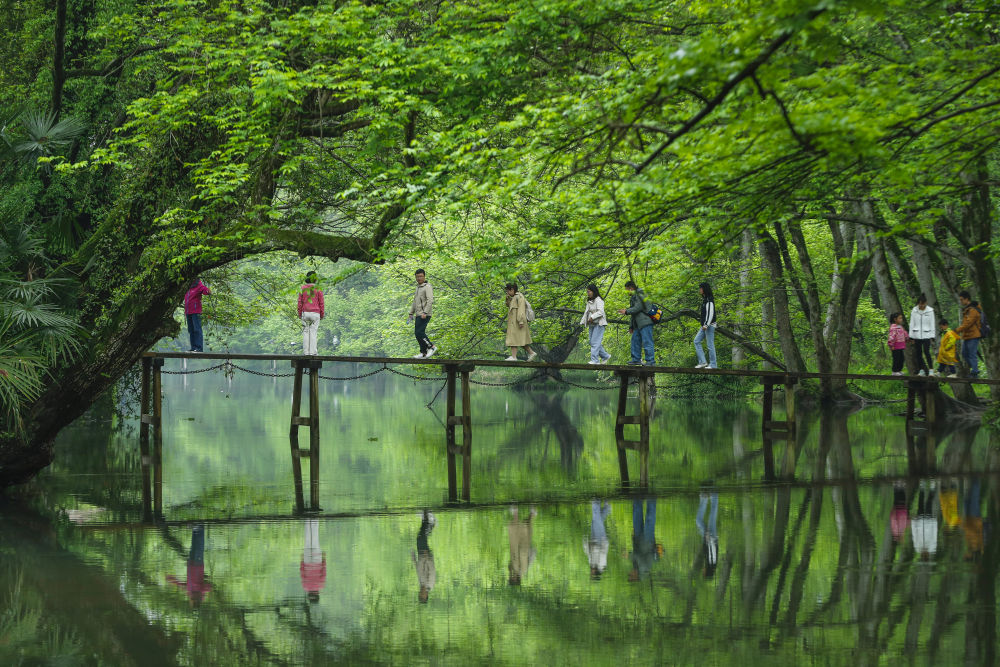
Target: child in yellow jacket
pixel 946 350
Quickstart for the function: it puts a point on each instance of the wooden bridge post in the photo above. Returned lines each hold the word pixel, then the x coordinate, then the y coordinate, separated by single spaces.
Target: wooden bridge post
pixel 624 377
pixel 314 367
pixel 466 437
pixel 766 420
pixel 644 381
pixel 293 434
pixel 465 421
pixel 144 420
pixel 788 463
pixel 157 436
pixel 449 432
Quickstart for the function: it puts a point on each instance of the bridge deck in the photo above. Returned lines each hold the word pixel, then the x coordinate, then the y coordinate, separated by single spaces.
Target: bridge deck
pixel 496 363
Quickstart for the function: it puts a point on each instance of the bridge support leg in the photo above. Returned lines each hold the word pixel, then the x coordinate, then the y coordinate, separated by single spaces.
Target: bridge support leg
pixel 146 459
pixel 788 464
pixel 641 419
pixel 157 437
pixel 314 434
pixel 312 421
pixel 464 420
pixel 620 426
pixel 772 429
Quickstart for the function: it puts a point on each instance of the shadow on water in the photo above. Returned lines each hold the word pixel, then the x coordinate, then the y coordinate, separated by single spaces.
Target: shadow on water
pixel 871 545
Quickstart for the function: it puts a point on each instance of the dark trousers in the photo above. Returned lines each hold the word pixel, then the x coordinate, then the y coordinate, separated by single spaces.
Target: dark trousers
pixel 924 353
pixel 194 330
pixel 420 331
pixel 897 360
pixel 946 369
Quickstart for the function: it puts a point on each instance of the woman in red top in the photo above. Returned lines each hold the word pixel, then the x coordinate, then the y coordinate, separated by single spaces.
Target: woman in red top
pixel 311 311
pixel 192 310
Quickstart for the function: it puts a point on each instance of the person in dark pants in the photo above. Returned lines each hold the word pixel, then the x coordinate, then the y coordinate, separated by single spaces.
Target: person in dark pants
pixel 195 585
pixel 423 558
pixel 420 312
pixel 970 332
pixel 641 326
pixel 644 548
pixel 897 342
pixel 192 311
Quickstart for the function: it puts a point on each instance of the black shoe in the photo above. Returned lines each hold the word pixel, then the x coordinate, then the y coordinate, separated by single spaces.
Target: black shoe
pixel 634 363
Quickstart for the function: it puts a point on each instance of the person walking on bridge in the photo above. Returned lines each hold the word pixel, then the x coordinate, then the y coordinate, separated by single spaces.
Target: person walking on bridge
pixel 970 332
pixel 596 321
pixel 192 311
pixel 707 331
pixel 922 331
pixel 897 342
pixel 420 314
pixel 311 311
pixel 641 326
pixel 518 331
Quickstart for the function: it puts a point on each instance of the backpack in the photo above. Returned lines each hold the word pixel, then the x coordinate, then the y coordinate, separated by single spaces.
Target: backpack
pixel 984 326
pixel 529 312
pixel 654 312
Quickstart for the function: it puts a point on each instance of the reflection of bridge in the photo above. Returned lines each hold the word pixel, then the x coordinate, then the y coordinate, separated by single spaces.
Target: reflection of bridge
pixel 460 369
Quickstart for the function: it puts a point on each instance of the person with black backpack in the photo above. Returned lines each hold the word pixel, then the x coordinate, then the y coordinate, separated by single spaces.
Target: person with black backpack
pixel 641 326
pixel 707 331
pixel 970 330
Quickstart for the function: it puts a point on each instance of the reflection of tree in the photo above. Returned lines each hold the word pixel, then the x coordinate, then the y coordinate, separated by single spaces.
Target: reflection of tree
pixel 548 415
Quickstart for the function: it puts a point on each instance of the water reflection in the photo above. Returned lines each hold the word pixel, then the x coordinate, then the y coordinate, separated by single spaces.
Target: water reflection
pixel 818 568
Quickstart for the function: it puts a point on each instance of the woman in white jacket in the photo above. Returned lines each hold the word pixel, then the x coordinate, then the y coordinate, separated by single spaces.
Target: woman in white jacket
pixel 923 328
pixel 597 321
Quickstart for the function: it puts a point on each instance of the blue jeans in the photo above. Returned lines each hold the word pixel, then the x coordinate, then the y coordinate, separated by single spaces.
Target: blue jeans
pixel 642 341
pixel 707 335
pixel 644 528
pixel 969 349
pixel 194 330
pixel 597 351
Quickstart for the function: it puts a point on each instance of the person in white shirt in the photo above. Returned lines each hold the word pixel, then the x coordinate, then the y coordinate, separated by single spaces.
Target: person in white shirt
pixel 923 328
pixel 596 321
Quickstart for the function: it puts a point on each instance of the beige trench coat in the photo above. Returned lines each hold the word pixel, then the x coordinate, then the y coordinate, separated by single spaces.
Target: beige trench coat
pixel 518 333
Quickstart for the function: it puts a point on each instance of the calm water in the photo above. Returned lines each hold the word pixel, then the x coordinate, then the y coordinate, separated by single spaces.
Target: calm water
pixel 852 561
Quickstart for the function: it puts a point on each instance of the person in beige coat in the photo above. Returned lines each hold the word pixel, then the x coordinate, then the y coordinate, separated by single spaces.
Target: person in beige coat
pixel 518 332
pixel 522 551
pixel 420 312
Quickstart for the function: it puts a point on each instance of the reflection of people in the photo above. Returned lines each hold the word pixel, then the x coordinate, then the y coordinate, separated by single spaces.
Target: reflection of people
pixel 948 497
pixel 644 550
pixel 899 518
pixel 924 526
pixel 972 521
pixel 596 546
pixel 195 585
pixel 709 533
pixel 312 569
pixel 423 559
pixel 522 553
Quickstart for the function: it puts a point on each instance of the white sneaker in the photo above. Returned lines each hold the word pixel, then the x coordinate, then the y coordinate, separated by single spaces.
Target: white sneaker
pixel 430 352
pixel 531 357
pixel 594 363
pixel 511 359
pixel 897 373
pixel 932 374
pixel 701 366
pixel 419 355
pixel 604 361
pixel 922 373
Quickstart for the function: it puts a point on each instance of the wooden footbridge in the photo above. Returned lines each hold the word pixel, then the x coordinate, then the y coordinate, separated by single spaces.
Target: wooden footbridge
pixel 459 370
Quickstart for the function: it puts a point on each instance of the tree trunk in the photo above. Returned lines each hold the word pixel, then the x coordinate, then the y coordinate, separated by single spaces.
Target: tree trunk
pixel 783 318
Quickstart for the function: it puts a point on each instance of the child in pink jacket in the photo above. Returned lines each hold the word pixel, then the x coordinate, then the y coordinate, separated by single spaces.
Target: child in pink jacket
pixel 897 342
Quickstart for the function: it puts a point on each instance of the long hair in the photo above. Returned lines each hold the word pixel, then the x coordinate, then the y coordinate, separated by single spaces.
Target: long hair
pixel 707 289
pixel 594 290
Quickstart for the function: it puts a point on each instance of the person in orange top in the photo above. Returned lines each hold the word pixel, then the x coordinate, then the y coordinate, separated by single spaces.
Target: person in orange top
pixel 946 349
pixel 969 331
pixel 311 311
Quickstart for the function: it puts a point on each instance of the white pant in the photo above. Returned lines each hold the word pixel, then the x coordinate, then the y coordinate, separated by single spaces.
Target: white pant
pixel 310 326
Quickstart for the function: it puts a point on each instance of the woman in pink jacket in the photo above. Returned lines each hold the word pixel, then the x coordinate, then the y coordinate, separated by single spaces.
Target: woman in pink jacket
pixel 311 311
pixel 192 311
pixel 897 342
